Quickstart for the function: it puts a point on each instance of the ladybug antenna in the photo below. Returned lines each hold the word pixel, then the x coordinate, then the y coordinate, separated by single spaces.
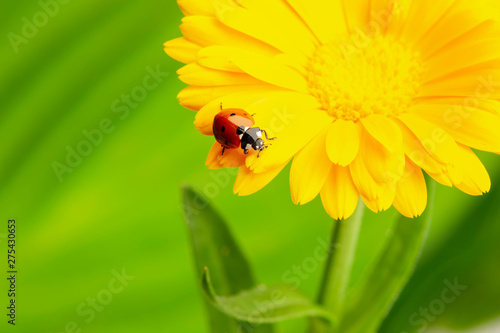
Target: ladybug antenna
pixel 221 106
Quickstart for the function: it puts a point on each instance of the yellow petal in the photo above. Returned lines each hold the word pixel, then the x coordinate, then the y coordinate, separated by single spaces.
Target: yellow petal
pixel 411 193
pixel 365 184
pixel 463 27
pixel 456 172
pixel 339 195
pixel 422 17
pixel 207 31
pixel 274 107
pixel 413 148
pixel 399 13
pixel 182 49
pixel 195 97
pixel 285 19
pixel 438 143
pixel 442 178
pixel 384 130
pixel 382 13
pixel 212 160
pixel 454 175
pixel 384 200
pixel 268 28
pixel 222 57
pixel 451 175
pixel 357 13
pixel 476 180
pixel 447 62
pixel 273 72
pixel 232 158
pixel 473 127
pixel 292 62
pixel 197 75
pixel 325 18
pixel 248 182
pixel 219 57
pixel 197 7
pixel 310 168
pixel 489 105
pixel 290 138
pixel 386 167
pixel 342 142
pixel 474 81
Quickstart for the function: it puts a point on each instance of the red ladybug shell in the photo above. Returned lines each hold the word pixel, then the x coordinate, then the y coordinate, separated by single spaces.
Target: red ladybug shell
pixel 226 124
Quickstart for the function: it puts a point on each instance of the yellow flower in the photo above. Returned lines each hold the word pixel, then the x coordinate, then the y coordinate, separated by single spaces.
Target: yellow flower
pixel 362 95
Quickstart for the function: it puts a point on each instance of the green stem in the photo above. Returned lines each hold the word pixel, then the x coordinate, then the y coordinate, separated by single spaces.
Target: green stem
pixel 337 273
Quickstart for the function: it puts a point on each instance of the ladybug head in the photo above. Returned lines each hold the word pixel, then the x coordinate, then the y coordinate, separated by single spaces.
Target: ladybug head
pixel 258 145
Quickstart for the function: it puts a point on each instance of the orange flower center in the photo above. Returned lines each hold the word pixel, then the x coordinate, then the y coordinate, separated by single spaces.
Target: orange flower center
pixel 363 76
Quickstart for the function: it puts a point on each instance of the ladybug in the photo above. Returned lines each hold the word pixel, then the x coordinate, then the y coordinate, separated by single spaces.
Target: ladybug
pixel 233 129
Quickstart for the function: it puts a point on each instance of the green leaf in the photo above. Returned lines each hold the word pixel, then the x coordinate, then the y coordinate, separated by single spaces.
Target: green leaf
pixel 372 297
pixel 458 285
pixel 264 304
pixel 213 246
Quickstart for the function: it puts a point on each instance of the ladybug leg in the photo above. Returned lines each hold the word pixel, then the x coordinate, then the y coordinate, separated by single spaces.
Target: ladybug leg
pixel 258 154
pixel 221 106
pixel 245 151
pixel 267 138
pixel 223 150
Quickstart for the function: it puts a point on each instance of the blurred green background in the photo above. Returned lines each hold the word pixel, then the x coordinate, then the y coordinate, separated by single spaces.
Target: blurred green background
pixel 116 208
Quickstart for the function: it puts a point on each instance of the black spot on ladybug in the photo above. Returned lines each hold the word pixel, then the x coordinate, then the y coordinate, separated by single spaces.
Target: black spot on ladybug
pixel 233 114
pixel 226 143
pixel 222 129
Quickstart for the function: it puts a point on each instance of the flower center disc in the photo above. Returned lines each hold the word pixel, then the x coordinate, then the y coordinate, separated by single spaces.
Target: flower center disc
pixel 352 82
